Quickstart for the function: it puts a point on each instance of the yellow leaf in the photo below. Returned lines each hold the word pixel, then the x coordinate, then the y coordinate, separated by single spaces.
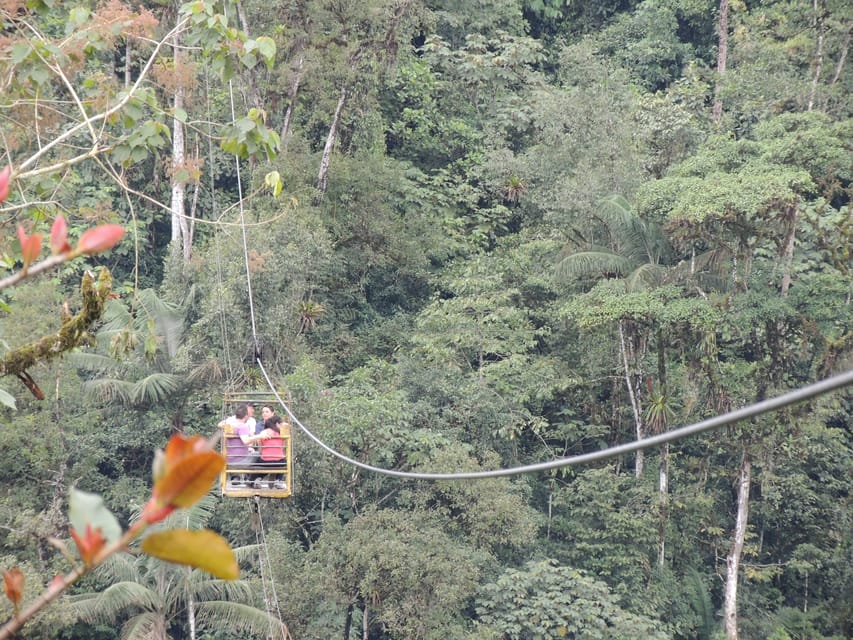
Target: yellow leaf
pixel 189 480
pixel 204 550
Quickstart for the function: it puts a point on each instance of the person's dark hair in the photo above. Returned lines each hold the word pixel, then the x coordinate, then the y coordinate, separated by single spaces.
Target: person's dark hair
pixel 273 423
pixel 268 406
pixel 241 412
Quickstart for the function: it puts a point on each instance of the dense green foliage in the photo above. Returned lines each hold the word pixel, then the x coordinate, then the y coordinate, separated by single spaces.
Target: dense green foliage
pixel 532 240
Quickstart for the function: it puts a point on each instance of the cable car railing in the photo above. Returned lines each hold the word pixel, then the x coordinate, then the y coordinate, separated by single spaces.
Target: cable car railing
pixel 263 468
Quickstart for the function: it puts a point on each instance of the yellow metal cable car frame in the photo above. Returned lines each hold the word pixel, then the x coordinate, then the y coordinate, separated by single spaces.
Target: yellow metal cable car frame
pixel 262 480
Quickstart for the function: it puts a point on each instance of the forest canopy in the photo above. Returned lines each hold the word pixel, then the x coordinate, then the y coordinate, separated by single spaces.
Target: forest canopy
pixel 459 236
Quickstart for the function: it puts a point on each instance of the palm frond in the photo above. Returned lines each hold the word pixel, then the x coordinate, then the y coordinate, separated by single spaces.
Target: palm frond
pixel 207 590
pixel 247 554
pixel 615 211
pixel 113 600
pixel 209 371
pixel 589 263
pixel 149 625
pixel 709 268
pixel 109 390
pixel 195 517
pixel 154 388
pixel 168 319
pixel 119 567
pixel 240 618
pixel 90 361
pixel 116 317
pixel 646 276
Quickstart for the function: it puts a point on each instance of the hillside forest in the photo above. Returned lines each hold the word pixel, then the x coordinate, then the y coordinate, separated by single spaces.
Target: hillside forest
pixel 457 236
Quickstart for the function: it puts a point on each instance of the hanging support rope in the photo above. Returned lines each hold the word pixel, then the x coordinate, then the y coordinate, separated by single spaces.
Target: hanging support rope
pixel 266 569
pixel 256 346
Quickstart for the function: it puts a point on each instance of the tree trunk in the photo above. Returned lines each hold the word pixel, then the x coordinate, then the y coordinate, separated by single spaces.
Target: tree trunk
pixel 348 621
pixel 635 401
pixel 292 93
pixel 736 550
pixel 722 55
pixel 788 249
pixel 365 624
pixel 842 59
pixel 180 229
pixel 330 143
pixel 819 8
pixel 127 53
pixel 191 615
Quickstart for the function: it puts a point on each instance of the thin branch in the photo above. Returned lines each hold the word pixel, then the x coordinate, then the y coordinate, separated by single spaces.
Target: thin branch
pixel 100 116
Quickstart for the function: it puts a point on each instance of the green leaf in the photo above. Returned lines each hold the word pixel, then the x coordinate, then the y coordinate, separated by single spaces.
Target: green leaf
pixel 266 46
pixel 7 399
pixel 20 52
pixel 273 181
pixel 203 549
pixel 180 115
pixel 88 508
pixel 77 16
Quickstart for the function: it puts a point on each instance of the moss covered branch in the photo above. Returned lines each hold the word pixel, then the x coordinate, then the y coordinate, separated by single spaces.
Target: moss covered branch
pixel 70 334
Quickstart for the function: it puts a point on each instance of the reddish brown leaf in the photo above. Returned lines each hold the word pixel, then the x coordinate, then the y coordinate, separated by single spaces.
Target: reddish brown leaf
pixel 13 581
pixel 89 544
pixel 101 238
pixel 30 246
pixel 188 481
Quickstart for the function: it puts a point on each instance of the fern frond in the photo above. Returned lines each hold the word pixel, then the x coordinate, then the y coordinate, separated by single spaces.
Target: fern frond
pixel 700 601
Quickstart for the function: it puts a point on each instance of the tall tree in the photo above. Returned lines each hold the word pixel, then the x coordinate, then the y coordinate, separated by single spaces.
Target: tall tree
pixel 722 58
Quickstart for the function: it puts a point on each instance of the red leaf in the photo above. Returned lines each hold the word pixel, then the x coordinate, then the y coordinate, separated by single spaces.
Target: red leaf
pixel 101 238
pixel 4 182
pixel 59 236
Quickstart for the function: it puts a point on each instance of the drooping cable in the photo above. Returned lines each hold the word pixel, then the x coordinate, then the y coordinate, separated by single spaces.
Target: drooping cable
pixel 797 395
pixel 750 411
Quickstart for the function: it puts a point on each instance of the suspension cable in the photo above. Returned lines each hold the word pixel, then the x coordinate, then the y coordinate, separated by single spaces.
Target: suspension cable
pixel 256 347
pixel 750 411
pixel 223 322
